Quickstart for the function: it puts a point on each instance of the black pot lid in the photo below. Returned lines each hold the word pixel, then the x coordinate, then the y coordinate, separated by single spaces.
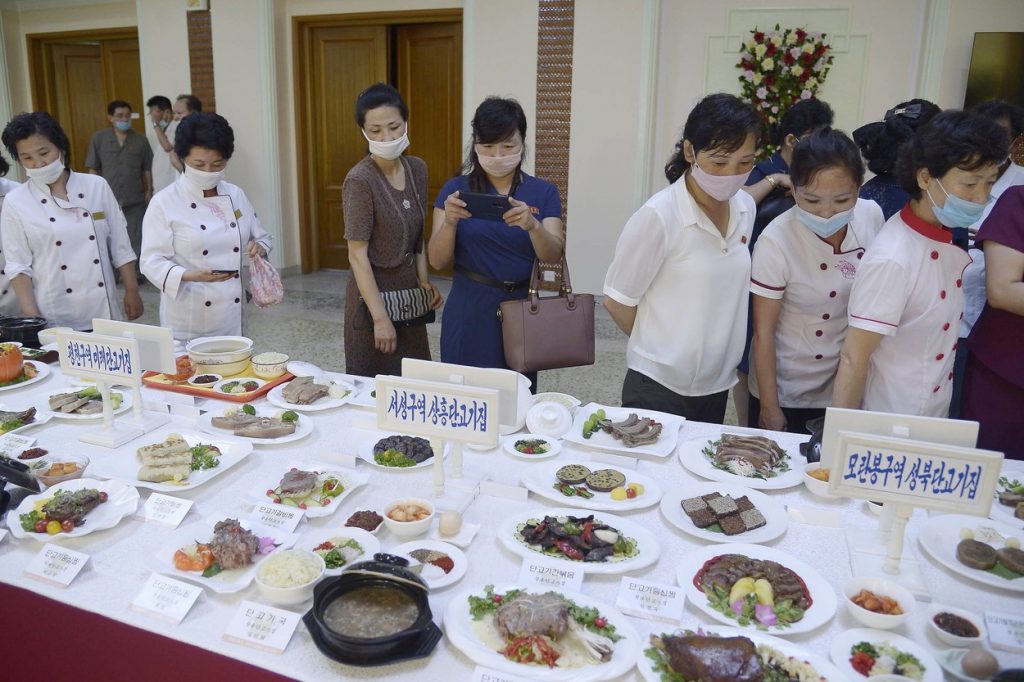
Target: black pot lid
pixel 389 566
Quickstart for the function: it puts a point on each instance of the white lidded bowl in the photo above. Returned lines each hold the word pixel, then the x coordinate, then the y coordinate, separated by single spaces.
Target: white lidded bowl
pixel 409 529
pixel 549 418
pixel 291 594
pixel 224 355
pixel 814 486
pixel 955 640
pixel 882 588
pixel 49 335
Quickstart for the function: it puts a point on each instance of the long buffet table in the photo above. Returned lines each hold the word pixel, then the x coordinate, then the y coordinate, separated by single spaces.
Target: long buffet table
pixel 121 558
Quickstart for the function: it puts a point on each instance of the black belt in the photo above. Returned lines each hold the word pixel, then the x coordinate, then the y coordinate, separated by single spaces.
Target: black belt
pixel 505 285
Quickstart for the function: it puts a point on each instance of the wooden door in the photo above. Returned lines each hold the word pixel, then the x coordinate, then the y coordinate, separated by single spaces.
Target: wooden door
pixel 344 60
pixel 429 75
pixel 123 76
pixel 81 106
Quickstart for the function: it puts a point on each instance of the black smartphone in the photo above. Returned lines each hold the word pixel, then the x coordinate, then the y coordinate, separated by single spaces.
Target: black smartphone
pixel 487 206
pixel 224 272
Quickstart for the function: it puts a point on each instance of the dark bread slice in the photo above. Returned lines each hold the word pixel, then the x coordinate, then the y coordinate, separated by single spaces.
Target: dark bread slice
pixel 605 480
pixel 975 554
pixel 573 474
pixel 1012 558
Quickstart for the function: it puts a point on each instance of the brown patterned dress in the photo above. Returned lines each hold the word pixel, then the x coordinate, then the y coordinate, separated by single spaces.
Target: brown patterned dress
pixel 391 221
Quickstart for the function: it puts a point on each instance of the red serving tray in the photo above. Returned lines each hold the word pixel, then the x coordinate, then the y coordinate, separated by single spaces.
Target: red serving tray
pixel 150 379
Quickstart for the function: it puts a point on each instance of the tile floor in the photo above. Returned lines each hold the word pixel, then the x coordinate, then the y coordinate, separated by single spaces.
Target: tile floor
pixel 308 326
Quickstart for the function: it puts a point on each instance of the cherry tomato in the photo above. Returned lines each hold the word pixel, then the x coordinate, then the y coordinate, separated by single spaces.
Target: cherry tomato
pixel 270 492
pixel 600 622
pixel 67 525
pixel 630 493
pixel 103 496
pixel 40 526
pixel 497 599
pixel 326 501
pixel 52 527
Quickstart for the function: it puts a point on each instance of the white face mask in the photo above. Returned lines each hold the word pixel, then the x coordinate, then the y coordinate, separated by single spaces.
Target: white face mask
pixel 48 174
pixel 499 166
pixel 203 180
pixel 389 150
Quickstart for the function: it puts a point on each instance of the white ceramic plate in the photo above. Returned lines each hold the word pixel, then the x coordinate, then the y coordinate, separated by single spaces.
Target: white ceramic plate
pixel 218 392
pixel 126 404
pixel 951 661
pixel 839 651
pixel 316 536
pixel 821 664
pixel 123 464
pixel 823 595
pixel 276 398
pixel 350 479
pixel 42 371
pixel 122 500
pixel 647 545
pixel 777 520
pixel 225 582
pixel 540 481
pixel 363 397
pixel 364 442
pixel 41 417
pixel 459 627
pixel 691 456
pixel 436 578
pixel 1013 470
pixel 508 444
pixel 940 535
pixel 661 449
pixel 303 428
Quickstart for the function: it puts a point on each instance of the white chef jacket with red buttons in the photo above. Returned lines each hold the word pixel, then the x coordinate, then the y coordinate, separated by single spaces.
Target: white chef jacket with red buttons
pixel 689 285
pixel 813 281
pixel 9 305
pixel 68 247
pixel 909 289
pixel 183 230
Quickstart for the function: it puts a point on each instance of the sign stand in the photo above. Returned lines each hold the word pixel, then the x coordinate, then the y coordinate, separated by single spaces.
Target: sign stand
pixel 111 434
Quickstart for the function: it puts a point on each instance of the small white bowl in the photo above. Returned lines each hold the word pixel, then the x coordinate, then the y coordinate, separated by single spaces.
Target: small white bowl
pixel 49 335
pixel 204 384
pixel 875 507
pixel 882 588
pixel 954 640
pixel 409 529
pixel 269 365
pixel 293 594
pixel 814 486
pixel 549 418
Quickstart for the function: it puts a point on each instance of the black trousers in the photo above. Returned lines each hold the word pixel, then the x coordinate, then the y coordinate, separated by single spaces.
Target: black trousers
pixel 796 417
pixel 643 392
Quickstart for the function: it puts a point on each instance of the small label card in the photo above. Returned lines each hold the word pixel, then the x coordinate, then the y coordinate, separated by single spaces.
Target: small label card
pixel 166 598
pixel 262 627
pixel 549 574
pixel 13 444
pixel 482 674
pixel 511 492
pixel 56 565
pixel 164 509
pixel 1005 631
pixel 277 516
pixel 654 601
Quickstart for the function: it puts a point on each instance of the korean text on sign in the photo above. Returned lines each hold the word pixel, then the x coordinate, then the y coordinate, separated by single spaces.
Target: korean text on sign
pixel 445 411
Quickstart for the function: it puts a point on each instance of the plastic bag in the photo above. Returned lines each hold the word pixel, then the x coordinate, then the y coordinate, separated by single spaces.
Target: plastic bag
pixel 264 283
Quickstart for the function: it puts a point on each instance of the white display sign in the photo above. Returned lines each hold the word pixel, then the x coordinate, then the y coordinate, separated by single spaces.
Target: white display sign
pixel 262 627
pixel 651 600
pixel 438 410
pixel 482 674
pixel 166 598
pixel 549 574
pixel 929 475
pixel 56 565
pixel 277 516
pixel 165 510
pixel 111 359
pixel 1005 631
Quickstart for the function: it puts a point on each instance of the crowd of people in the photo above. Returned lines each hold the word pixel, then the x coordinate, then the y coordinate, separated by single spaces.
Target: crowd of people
pixel 791 281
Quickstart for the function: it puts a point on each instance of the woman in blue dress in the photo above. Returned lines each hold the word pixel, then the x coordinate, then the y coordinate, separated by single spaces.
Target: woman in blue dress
pixel 491 258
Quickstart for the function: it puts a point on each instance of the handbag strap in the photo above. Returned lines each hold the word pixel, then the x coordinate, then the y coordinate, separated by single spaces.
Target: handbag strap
pixel 561 270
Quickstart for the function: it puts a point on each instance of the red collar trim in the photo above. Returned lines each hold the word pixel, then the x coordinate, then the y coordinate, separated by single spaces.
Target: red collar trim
pixel 924 228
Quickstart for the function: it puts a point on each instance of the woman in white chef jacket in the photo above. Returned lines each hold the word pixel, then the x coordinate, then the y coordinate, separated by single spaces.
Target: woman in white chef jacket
pixel 195 233
pixel 801 275
pixel 9 306
pixel 907 298
pixel 63 233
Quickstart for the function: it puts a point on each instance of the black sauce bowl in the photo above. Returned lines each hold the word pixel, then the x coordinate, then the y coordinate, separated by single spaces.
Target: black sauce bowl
pixel 24 330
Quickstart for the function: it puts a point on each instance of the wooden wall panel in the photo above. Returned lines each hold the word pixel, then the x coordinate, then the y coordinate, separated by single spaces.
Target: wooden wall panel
pixel 554 92
pixel 200 58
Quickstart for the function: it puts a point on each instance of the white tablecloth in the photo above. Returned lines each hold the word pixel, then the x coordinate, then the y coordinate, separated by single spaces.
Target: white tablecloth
pixel 121 557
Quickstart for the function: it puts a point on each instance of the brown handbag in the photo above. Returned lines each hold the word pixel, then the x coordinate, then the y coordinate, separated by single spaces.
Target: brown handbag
pixel 551 331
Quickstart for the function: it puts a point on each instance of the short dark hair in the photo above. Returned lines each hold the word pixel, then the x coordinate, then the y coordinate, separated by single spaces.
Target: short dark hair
pixel 953 139
pixel 117 104
pixel 801 118
pixel 4 166
pixel 207 130
pixel 999 109
pixel 496 119
pixel 376 96
pixel 719 122
pixel 191 101
pixel 159 101
pixel 880 142
pixel 825 148
pixel 25 125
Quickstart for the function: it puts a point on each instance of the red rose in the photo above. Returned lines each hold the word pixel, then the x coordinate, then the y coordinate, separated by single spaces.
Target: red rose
pixel 820 50
pixel 800 35
pixel 769 80
pixel 759 36
pixel 806 59
pixel 787 59
pixel 748 66
pixel 770 50
pixel 805 75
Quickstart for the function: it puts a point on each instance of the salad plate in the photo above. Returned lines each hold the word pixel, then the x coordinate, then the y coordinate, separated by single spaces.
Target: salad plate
pixel 531 447
pixel 339 547
pixel 542 480
pixel 842 645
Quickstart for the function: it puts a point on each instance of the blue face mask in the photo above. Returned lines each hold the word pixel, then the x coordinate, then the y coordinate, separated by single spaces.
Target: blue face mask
pixel 957 212
pixel 824 227
pixel 123 126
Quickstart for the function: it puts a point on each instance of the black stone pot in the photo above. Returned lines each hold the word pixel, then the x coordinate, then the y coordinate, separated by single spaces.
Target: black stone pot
pixel 25 330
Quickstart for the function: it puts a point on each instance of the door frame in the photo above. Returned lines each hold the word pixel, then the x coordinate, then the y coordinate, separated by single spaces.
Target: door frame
pixel 302 28
pixel 40 65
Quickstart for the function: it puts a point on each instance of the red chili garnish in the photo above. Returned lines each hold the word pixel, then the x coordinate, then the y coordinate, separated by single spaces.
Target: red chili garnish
pixel 862 663
pixel 569 551
pixel 327 545
pixel 445 563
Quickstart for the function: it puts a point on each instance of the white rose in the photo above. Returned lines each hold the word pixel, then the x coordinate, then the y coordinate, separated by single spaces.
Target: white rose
pixel 811 83
pixel 768 64
pixel 808 48
pixel 796 70
pixel 759 50
pixel 757 79
pixel 751 44
pixel 791 38
pixel 776 40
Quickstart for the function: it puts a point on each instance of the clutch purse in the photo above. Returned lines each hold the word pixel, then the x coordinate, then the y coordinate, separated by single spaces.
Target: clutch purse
pixel 408 307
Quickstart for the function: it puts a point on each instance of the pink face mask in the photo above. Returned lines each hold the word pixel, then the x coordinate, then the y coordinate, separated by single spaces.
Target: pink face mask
pixel 718 187
pixel 499 166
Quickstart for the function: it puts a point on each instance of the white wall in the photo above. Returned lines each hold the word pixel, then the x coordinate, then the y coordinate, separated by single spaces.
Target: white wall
pixel 163 50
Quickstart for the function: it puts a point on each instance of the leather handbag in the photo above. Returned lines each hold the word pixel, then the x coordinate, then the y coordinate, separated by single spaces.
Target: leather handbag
pixel 548 332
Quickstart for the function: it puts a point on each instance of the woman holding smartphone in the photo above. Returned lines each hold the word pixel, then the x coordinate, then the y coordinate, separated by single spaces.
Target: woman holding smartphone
pixel 492 257
pixel 196 232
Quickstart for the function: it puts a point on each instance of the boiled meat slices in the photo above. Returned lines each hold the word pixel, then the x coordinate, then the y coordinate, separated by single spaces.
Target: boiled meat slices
pixel 633 431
